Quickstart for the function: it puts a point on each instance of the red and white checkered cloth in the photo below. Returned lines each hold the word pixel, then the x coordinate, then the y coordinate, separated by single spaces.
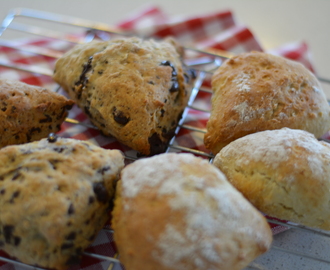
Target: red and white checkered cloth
pixel 218 30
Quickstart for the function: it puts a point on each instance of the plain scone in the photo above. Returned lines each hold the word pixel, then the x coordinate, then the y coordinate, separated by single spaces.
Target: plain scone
pixel 284 173
pixel 177 211
pixel 258 91
pixel 132 89
pixel 55 196
pixel 29 113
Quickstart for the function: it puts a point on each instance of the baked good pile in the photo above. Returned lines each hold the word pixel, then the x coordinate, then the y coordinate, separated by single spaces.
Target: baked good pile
pixel 170 210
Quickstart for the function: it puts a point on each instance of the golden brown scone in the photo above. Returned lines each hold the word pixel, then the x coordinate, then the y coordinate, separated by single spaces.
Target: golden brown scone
pixel 132 89
pixel 284 173
pixel 257 91
pixel 54 198
pixel 177 211
pixel 29 113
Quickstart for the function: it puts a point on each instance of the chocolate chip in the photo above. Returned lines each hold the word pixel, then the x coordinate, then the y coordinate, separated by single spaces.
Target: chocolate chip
pixel 68 107
pixel 67 245
pixel 120 116
pixel 16 176
pixel 151 82
pixel 83 80
pixel 8 232
pixel 4 109
pixel 91 199
pixel 59 149
pixel 162 112
pixel 101 192
pixel 156 144
pixel 174 87
pixel 2 191
pixel 15 195
pixel 35 129
pixel 52 137
pixel 71 236
pixel 100 72
pixel 53 163
pixel 71 209
pixel 48 119
pixel 17 241
pixel 87 111
pixel 166 63
pixel 104 169
pixel 13 109
pixel 174 73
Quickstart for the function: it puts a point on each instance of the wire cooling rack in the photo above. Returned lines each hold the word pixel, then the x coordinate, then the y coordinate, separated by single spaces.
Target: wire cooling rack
pixel 296 247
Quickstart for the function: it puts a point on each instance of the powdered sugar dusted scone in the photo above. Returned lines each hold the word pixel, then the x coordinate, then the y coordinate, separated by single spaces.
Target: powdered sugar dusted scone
pixel 284 173
pixel 132 89
pixel 177 211
pixel 54 198
pixel 29 113
pixel 257 91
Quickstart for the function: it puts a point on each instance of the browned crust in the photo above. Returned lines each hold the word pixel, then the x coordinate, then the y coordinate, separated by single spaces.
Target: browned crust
pixel 258 91
pixel 125 89
pixel 29 113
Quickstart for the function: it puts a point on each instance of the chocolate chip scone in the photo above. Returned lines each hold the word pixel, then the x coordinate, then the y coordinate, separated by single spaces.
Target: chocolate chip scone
pixel 29 113
pixel 132 89
pixel 54 198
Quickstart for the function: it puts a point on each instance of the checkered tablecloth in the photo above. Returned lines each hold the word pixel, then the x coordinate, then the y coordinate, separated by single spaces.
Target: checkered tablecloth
pixel 218 30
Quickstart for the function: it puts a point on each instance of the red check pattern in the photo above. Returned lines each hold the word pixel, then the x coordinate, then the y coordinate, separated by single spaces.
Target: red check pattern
pixel 218 30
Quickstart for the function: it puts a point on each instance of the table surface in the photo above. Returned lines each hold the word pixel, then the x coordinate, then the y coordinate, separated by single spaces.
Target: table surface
pixel 274 23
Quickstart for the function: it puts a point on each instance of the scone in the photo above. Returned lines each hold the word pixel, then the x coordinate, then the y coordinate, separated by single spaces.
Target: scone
pixel 132 89
pixel 257 91
pixel 29 113
pixel 177 211
pixel 55 196
pixel 284 173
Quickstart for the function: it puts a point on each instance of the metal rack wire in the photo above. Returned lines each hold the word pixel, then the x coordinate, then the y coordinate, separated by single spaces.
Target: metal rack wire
pixel 27 22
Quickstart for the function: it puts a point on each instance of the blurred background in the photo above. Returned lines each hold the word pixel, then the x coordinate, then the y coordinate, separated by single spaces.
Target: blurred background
pixel 274 22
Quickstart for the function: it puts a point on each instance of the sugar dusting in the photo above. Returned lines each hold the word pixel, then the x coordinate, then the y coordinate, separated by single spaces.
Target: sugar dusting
pixel 274 147
pixel 247 113
pixel 243 82
pixel 207 208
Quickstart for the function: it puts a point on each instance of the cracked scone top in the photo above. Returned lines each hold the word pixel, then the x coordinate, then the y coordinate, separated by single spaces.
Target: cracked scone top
pixel 132 89
pixel 177 211
pixel 257 91
pixel 284 173
pixel 54 199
